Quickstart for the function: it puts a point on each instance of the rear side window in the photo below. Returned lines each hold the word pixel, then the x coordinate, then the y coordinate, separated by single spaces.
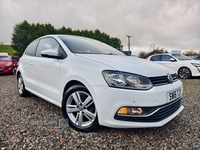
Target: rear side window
pixel 155 58
pixel 31 49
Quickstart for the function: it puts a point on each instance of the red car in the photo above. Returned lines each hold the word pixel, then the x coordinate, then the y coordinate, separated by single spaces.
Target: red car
pixel 7 64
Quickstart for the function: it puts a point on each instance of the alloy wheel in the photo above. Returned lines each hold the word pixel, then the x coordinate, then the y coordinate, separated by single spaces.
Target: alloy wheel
pixel 184 73
pixel 20 85
pixel 80 109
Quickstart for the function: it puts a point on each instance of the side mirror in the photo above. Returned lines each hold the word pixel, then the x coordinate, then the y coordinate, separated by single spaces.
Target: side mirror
pixel 50 53
pixel 172 59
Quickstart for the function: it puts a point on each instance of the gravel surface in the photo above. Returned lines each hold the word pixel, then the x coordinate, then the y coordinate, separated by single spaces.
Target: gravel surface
pixel 33 123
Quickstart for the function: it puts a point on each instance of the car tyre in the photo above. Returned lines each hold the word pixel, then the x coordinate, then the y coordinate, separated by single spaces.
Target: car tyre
pixel 21 87
pixel 78 106
pixel 13 71
pixel 184 73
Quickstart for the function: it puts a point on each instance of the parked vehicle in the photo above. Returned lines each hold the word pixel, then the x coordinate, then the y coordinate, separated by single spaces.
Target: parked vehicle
pixel 197 58
pixel 95 84
pixel 7 64
pixel 184 66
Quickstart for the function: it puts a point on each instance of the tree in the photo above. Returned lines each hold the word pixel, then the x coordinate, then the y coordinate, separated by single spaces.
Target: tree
pixel 152 47
pixel 24 33
pixel 64 30
pixel 19 40
pixel 190 53
pixel 141 54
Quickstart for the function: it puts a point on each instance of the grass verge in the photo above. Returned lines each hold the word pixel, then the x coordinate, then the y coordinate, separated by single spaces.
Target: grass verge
pixel 7 49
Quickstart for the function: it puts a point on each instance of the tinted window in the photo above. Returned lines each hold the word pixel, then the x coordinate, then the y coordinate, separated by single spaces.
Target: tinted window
pixel 88 46
pixel 31 49
pixel 46 44
pixel 155 58
pixel 197 58
pixel 166 57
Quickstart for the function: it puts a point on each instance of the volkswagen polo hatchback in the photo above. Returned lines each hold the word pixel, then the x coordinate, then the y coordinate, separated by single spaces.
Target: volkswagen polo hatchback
pixel 95 84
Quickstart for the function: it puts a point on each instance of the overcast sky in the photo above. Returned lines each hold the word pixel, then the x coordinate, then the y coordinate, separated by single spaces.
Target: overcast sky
pixel 170 24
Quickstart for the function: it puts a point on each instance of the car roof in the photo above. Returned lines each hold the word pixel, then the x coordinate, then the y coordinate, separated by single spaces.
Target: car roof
pixel 160 54
pixel 4 54
pixel 64 35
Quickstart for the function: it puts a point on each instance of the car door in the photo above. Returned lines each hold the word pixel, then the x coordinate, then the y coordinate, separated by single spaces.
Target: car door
pixel 167 61
pixel 27 65
pixel 47 71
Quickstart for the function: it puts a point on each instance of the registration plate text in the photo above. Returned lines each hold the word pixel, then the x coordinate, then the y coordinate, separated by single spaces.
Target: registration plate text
pixel 174 94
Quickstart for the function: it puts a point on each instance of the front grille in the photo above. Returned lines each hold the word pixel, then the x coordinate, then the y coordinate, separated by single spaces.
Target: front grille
pixel 163 112
pixel 162 80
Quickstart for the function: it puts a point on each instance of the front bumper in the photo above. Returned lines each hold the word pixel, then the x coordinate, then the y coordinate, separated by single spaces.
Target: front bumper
pixel 109 100
pixel 196 71
pixel 5 70
pixel 154 114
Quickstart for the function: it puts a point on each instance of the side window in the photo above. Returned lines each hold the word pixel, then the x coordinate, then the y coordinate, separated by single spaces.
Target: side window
pixel 198 57
pixel 155 58
pixel 165 58
pixel 45 44
pixel 31 49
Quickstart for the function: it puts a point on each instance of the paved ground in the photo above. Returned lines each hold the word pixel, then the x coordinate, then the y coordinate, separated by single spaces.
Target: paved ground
pixel 32 123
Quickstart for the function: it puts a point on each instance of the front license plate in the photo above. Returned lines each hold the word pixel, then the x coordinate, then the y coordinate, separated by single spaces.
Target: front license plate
pixel 174 94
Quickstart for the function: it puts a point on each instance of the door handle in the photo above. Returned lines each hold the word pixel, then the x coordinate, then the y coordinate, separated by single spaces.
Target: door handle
pixel 31 63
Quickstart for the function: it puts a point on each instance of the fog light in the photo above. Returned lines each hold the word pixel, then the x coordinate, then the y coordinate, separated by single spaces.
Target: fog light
pixel 123 110
pixel 130 111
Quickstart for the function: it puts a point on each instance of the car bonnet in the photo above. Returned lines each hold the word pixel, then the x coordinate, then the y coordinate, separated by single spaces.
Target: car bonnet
pixel 130 64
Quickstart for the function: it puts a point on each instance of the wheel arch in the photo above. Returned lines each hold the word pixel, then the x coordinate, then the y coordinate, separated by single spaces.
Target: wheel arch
pixel 70 84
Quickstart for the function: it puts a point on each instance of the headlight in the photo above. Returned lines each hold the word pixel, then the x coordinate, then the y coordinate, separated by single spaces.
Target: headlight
pixel 196 65
pixel 119 79
pixel 9 64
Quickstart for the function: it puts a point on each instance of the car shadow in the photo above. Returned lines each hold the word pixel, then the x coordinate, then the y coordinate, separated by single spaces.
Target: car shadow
pixel 192 78
pixel 7 74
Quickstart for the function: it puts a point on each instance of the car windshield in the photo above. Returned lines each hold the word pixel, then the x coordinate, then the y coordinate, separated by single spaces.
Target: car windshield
pixel 5 58
pixel 88 46
pixel 181 57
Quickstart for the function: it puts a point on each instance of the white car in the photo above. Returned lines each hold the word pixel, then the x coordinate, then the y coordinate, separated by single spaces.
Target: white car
pixel 184 66
pixel 95 84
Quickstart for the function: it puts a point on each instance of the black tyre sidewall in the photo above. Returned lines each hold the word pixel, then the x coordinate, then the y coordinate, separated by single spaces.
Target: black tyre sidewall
pixel 13 71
